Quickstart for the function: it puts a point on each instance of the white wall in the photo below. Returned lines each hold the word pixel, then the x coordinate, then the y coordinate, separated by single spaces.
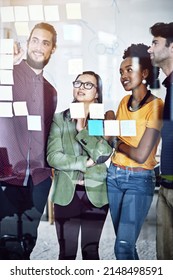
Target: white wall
pixel 127 20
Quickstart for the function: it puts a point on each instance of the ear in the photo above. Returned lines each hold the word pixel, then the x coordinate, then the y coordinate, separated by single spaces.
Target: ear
pixel 53 50
pixel 97 95
pixel 171 46
pixel 145 73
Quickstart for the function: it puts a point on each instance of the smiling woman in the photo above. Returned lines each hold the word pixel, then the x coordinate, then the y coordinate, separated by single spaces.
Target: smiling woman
pixel 131 177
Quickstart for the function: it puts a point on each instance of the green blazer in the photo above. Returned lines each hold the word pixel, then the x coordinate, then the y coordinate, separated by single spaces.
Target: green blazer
pixel 67 152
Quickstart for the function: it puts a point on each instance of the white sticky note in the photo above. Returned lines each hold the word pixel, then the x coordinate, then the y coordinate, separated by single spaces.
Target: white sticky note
pixel 111 128
pixel 22 28
pixel 73 11
pixel 6 61
pixel 6 93
pixel 7 14
pixel 51 13
pixel 128 127
pixel 21 13
pixel 96 111
pixel 6 109
pixel 6 77
pixel 75 66
pixel 77 110
pixel 36 12
pixel 34 122
pixel 20 108
pixel 6 46
pixel 72 33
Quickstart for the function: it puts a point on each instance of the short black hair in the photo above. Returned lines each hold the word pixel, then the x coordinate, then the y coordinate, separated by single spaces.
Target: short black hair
pixel 165 30
pixel 48 27
pixel 141 52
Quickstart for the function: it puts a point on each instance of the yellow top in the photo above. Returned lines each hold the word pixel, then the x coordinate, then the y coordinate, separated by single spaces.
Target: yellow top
pixel 149 115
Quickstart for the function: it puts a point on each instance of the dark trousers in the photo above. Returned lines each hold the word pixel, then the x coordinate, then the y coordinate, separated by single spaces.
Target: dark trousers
pixel 21 209
pixel 82 215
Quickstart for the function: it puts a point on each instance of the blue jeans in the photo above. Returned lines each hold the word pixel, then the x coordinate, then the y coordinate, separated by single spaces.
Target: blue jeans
pixel 130 195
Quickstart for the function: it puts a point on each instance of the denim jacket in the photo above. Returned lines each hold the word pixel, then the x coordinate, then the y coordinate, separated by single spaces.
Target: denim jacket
pixel 68 152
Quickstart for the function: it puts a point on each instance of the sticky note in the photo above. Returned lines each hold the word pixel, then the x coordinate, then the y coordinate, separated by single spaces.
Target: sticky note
pixel 6 61
pixel 6 93
pixel 22 28
pixel 6 46
pixel 36 12
pixel 21 13
pixel 51 13
pixel 128 127
pixel 73 10
pixel 95 127
pixel 111 128
pixel 96 111
pixel 7 14
pixel 20 108
pixel 6 109
pixel 6 77
pixel 77 110
pixel 34 122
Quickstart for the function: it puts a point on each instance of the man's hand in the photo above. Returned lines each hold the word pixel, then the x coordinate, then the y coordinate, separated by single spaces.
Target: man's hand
pixel 18 53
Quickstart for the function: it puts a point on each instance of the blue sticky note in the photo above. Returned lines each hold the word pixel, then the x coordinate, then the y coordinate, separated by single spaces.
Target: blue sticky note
pixel 95 127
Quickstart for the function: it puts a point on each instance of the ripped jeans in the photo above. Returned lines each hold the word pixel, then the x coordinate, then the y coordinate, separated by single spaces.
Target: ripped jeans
pixel 130 195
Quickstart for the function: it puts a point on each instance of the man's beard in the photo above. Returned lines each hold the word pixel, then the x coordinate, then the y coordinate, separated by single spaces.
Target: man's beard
pixel 36 64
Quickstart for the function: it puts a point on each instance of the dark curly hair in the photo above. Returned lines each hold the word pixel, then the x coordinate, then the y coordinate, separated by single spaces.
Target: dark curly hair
pixel 141 52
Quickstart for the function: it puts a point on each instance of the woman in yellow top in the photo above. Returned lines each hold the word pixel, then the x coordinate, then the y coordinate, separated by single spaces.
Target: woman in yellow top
pixel 131 176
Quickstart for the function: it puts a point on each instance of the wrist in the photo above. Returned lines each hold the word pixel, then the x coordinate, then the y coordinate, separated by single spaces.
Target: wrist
pixel 119 146
pixel 113 142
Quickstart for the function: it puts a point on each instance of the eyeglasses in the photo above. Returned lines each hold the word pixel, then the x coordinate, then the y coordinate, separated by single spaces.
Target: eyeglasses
pixel 87 85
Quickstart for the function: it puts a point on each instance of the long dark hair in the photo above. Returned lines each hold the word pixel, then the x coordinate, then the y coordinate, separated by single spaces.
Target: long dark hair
pixel 99 83
pixel 99 88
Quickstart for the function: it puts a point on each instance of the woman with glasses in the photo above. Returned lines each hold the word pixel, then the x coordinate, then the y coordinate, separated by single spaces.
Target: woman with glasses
pixel 79 185
pixel 131 177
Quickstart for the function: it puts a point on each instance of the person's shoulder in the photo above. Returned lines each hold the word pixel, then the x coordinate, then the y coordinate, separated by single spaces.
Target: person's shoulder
pixel 125 99
pixel 158 101
pixel 49 88
pixel 62 116
pixel 18 67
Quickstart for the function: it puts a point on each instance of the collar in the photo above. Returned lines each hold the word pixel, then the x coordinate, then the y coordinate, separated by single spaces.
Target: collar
pixel 29 72
pixel 168 80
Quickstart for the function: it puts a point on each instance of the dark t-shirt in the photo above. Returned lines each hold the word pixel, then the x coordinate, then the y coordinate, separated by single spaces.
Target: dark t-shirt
pixel 167 130
pixel 23 149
